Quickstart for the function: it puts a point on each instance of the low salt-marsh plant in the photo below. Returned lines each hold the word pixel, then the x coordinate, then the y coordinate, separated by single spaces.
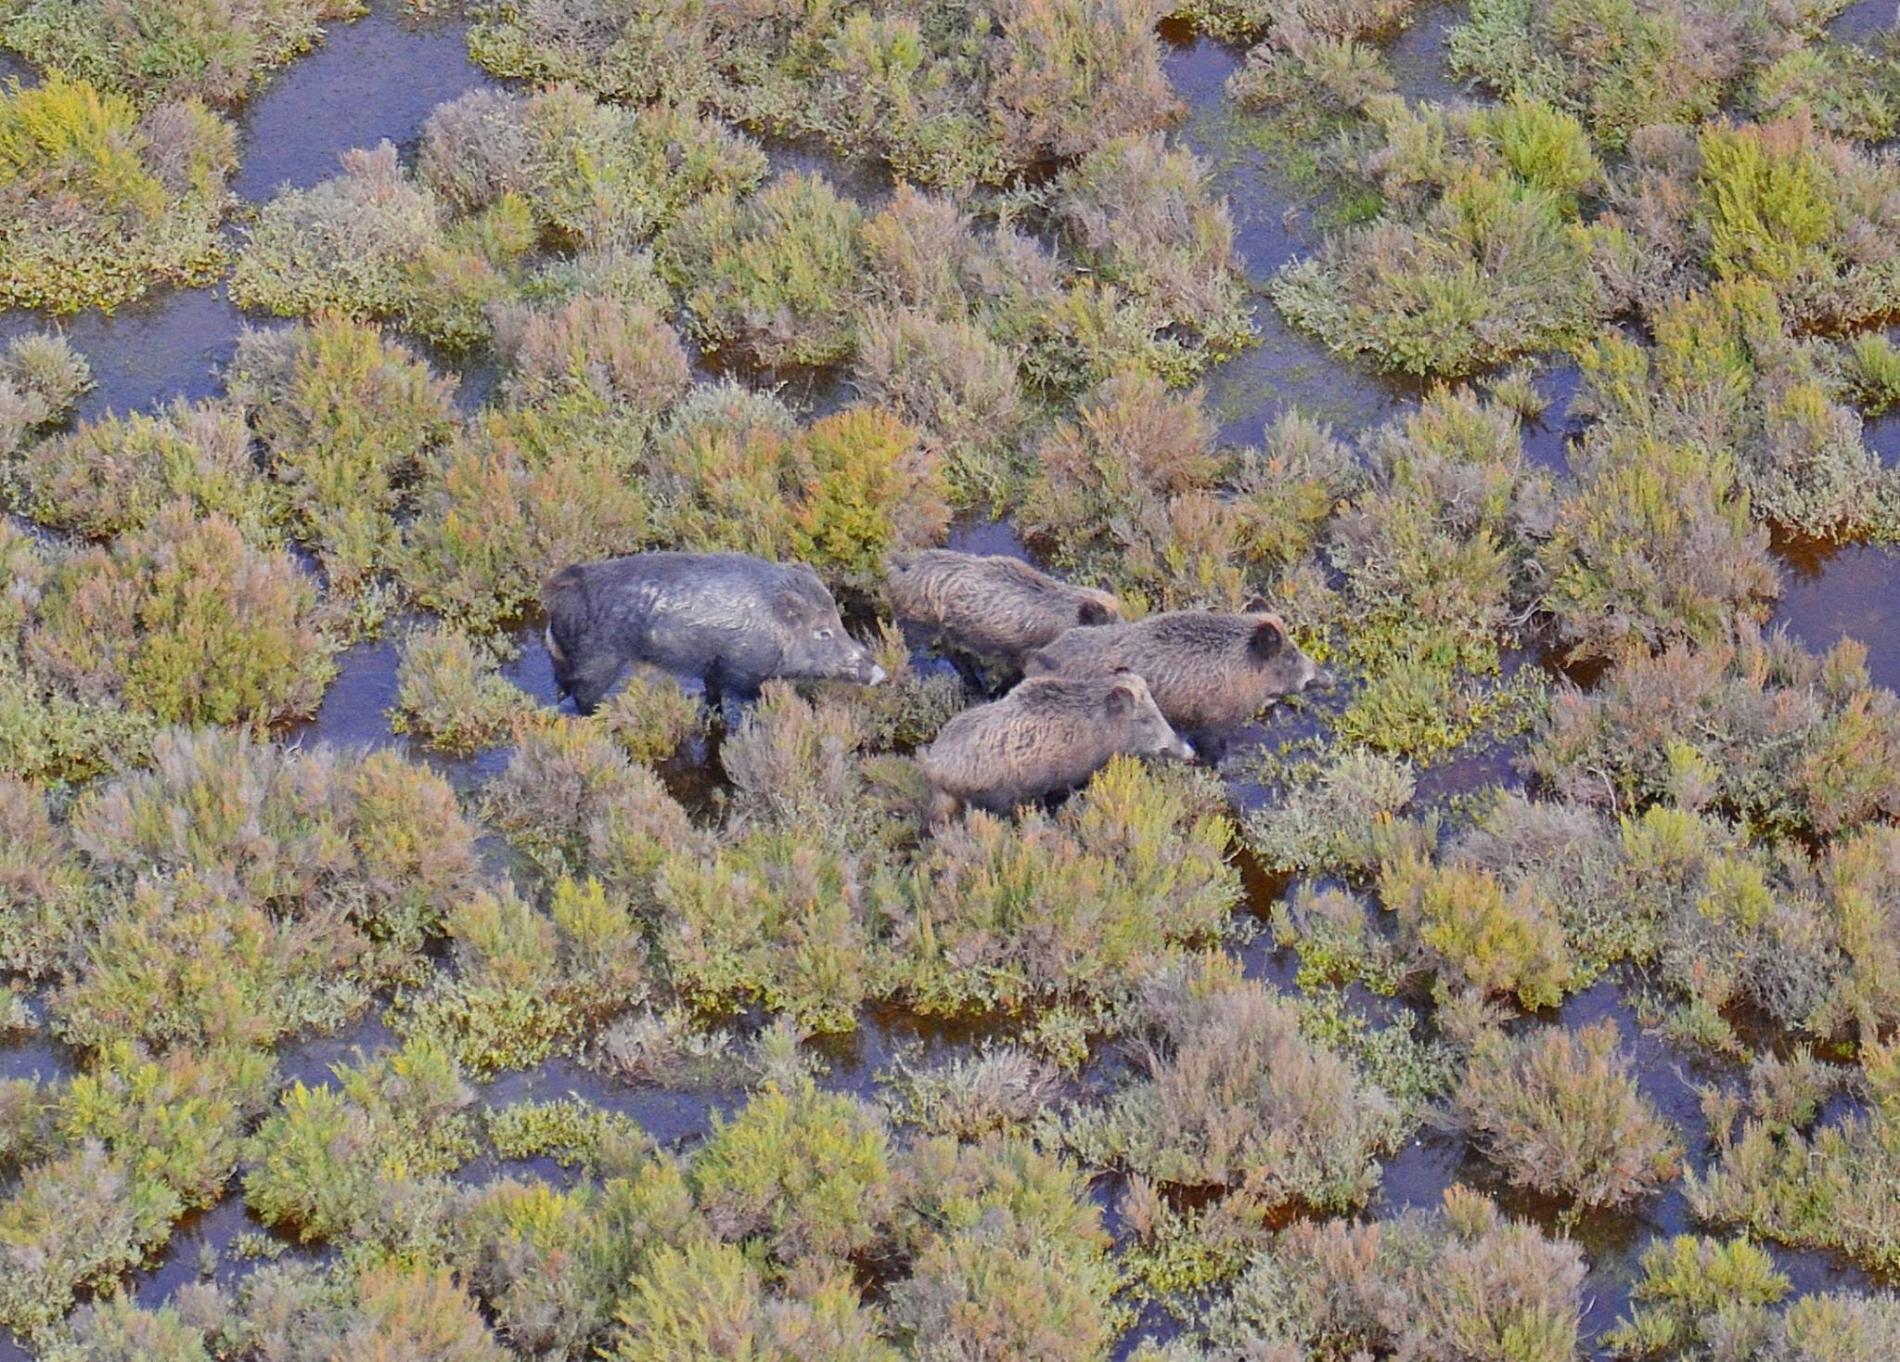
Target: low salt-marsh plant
pixel 693 1301
pixel 74 1224
pixel 805 1174
pixel 1617 575
pixel 574 802
pixel 333 1160
pixel 450 692
pixel 372 243
pixel 100 203
pixel 1327 820
pixel 346 417
pixel 527 985
pixel 1464 923
pixel 1235 1097
pixel 1138 216
pixel 314 835
pixel 597 352
pixel 117 473
pixel 1762 730
pixel 41 377
pixel 185 621
pixel 171 49
pixel 773 277
pixel 545 1261
pixel 1002 1088
pixel 1560 1113
pixel 522 493
pixel 590 172
pixel 731 471
pixel 1074 908
pixel 1698 1293
pixel 46 905
pixel 1339 940
pixel 1458 1282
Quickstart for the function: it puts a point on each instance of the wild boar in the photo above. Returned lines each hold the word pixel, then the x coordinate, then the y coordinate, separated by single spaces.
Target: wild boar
pixel 1208 672
pixel 990 610
pixel 733 621
pixel 1046 735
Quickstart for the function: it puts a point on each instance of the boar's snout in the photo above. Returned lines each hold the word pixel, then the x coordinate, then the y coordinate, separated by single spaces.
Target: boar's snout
pixel 1183 749
pixel 877 677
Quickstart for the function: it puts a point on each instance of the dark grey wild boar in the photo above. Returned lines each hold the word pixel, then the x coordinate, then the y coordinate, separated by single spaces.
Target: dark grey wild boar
pixel 1208 672
pixel 991 609
pixel 1046 735
pixel 733 621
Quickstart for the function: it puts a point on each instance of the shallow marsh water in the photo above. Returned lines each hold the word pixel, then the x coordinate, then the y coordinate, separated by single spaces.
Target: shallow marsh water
pixel 378 79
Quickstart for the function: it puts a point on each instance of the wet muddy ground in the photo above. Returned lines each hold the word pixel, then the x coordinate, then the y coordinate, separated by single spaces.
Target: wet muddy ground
pixel 378 79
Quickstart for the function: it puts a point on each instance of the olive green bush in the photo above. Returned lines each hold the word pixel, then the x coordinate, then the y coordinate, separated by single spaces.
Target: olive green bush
pixel 45 901
pixel 170 49
pixel 589 172
pixel 346 418
pixel 99 203
pixel 450 692
pixel 41 377
pixel 1236 1097
pixel 185 621
pixel 117 473
pixel 1073 908
pixel 1561 1114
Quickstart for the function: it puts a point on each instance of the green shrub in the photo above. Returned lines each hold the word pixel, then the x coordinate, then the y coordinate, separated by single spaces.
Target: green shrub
pixel 41 377
pixel 1235 1097
pixel 773 916
pixel 1124 492
pixel 117 1328
pixel 1248 20
pixel 1494 269
pixel 997 1089
pixel 168 49
pixel 99 204
pixel 545 1262
pixel 327 1163
pixel 1074 908
pixel 1139 216
pixel 806 1173
pixel 576 805
pixel 651 715
pixel 1069 77
pixel 1461 1282
pixel 1698 1292
pixel 732 472
pixel 593 173
pixel 1617 573
pixel 598 353
pixel 707 1302
pixel 1475 932
pixel 958 387
pixel 773 277
pixel 45 903
pixel 72 1224
pixel 116 474
pixel 372 243
pixel 347 419
pixel 450 692
pixel 1325 824
pixel 187 622
pixel 312 834
pixel 419 1313
pixel 522 494
pixel 526 986
pixel 1561 1114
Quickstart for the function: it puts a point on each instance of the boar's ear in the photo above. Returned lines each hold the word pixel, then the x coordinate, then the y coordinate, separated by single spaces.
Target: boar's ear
pixel 1092 612
pixel 790 606
pixel 1120 702
pixel 1266 640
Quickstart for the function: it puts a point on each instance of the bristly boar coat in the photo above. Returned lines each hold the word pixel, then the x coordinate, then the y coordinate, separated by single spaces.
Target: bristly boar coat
pixel 733 621
pixel 1208 671
pixel 1046 735
pixel 993 608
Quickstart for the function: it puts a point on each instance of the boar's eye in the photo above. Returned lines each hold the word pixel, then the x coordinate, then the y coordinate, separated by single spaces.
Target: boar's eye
pixel 821 633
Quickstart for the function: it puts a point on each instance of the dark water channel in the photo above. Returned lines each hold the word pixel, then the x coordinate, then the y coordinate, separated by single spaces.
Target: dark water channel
pixel 378 79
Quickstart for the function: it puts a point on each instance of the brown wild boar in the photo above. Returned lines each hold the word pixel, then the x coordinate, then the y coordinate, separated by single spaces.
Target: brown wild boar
pixel 990 608
pixel 1208 672
pixel 1046 735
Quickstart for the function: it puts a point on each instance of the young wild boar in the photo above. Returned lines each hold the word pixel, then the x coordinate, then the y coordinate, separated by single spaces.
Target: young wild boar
pixel 1208 672
pixel 733 621
pixel 991 609
pixel 1046 735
